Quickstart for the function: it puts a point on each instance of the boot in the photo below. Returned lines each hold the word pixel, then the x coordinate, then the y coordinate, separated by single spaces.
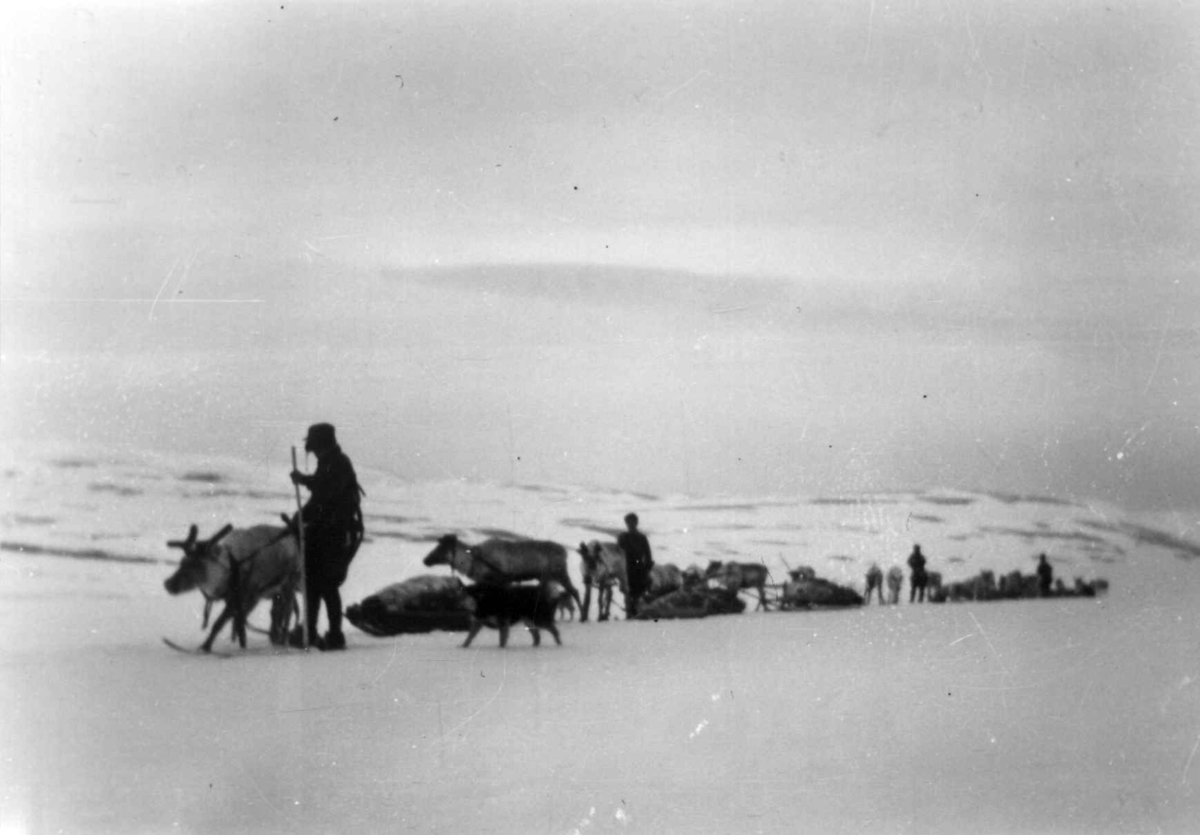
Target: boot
pixel 334 640
pixel 296 639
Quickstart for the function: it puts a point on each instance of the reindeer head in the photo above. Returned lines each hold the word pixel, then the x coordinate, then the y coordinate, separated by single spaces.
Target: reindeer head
pixel 443 553
pixel 589 552
pixel 693 576
pixel 198 569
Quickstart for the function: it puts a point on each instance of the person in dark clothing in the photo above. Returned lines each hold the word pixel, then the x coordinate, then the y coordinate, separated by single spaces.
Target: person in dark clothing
pixel 918 579
pixel 638 562
pixel 333 530
pixel 1045 573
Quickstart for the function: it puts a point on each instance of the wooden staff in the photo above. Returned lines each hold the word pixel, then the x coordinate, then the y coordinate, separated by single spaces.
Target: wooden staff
pixel 303 579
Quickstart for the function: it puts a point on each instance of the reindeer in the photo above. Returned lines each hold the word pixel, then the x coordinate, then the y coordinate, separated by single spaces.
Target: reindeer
pixel 736 576
pixel 895 581
pixel 693 577
pixel 665 578
pixel 603 566
pixel 980 587
pixel 239 567
pixel 936 594
pixel 875 582
pixel 498 562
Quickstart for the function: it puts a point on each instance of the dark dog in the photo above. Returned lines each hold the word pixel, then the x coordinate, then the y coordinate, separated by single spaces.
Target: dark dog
pixel 501 607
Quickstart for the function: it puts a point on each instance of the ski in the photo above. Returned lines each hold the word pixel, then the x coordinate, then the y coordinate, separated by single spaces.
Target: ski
pixel 195 650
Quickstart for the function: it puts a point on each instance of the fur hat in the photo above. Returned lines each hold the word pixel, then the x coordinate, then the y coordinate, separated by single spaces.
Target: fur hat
pixel 320 436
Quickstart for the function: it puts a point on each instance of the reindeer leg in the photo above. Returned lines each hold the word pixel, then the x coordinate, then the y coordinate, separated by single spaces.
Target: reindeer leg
pixel 242 617
pixel 239 626
pixel 237 632
pixel 475 627
pixel 235 602
pixel 283 606
pixel 565 580
pixel 587 602
pixel 276 616
pixel 222 619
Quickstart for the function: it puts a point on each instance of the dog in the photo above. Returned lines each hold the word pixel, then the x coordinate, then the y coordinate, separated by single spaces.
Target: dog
pixel 502 607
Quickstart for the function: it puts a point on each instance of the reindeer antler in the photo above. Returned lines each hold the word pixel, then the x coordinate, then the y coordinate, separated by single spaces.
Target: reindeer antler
pixel 292 523
pixel 186 544
pixel 220 535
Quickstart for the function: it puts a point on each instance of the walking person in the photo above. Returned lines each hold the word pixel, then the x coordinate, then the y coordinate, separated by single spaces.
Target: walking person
pixel 638 562
pixel 918 579
pixel 333 530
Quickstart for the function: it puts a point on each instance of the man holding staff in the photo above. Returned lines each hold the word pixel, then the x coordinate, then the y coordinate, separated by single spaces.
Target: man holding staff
pixel 333 530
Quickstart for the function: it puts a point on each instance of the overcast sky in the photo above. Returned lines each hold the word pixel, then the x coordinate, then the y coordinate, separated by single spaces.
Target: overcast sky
pixel 703 247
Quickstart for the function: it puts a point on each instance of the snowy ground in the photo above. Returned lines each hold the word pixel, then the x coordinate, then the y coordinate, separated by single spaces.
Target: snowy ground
pixel 1071 715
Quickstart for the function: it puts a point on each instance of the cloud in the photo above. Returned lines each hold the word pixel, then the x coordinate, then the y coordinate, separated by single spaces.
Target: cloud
pixel 723 236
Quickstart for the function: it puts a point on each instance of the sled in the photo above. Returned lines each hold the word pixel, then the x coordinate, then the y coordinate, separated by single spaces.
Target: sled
pixel 421 604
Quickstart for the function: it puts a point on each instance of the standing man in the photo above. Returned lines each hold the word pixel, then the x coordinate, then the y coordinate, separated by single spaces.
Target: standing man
pixel 638 562
pixel 333 530
pixel 1045 574
pixel 918 579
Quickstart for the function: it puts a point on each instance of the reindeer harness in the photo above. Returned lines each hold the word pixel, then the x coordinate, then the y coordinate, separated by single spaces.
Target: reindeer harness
pixel 233 583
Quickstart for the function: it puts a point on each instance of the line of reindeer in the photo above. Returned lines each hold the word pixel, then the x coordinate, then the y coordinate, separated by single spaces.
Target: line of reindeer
pixel 240 567
pixel 985 585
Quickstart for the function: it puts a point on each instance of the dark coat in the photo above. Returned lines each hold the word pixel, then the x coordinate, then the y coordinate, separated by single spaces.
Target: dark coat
pixel 916 561
pixel 333 526
pixel 335 490
pixel 638 559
